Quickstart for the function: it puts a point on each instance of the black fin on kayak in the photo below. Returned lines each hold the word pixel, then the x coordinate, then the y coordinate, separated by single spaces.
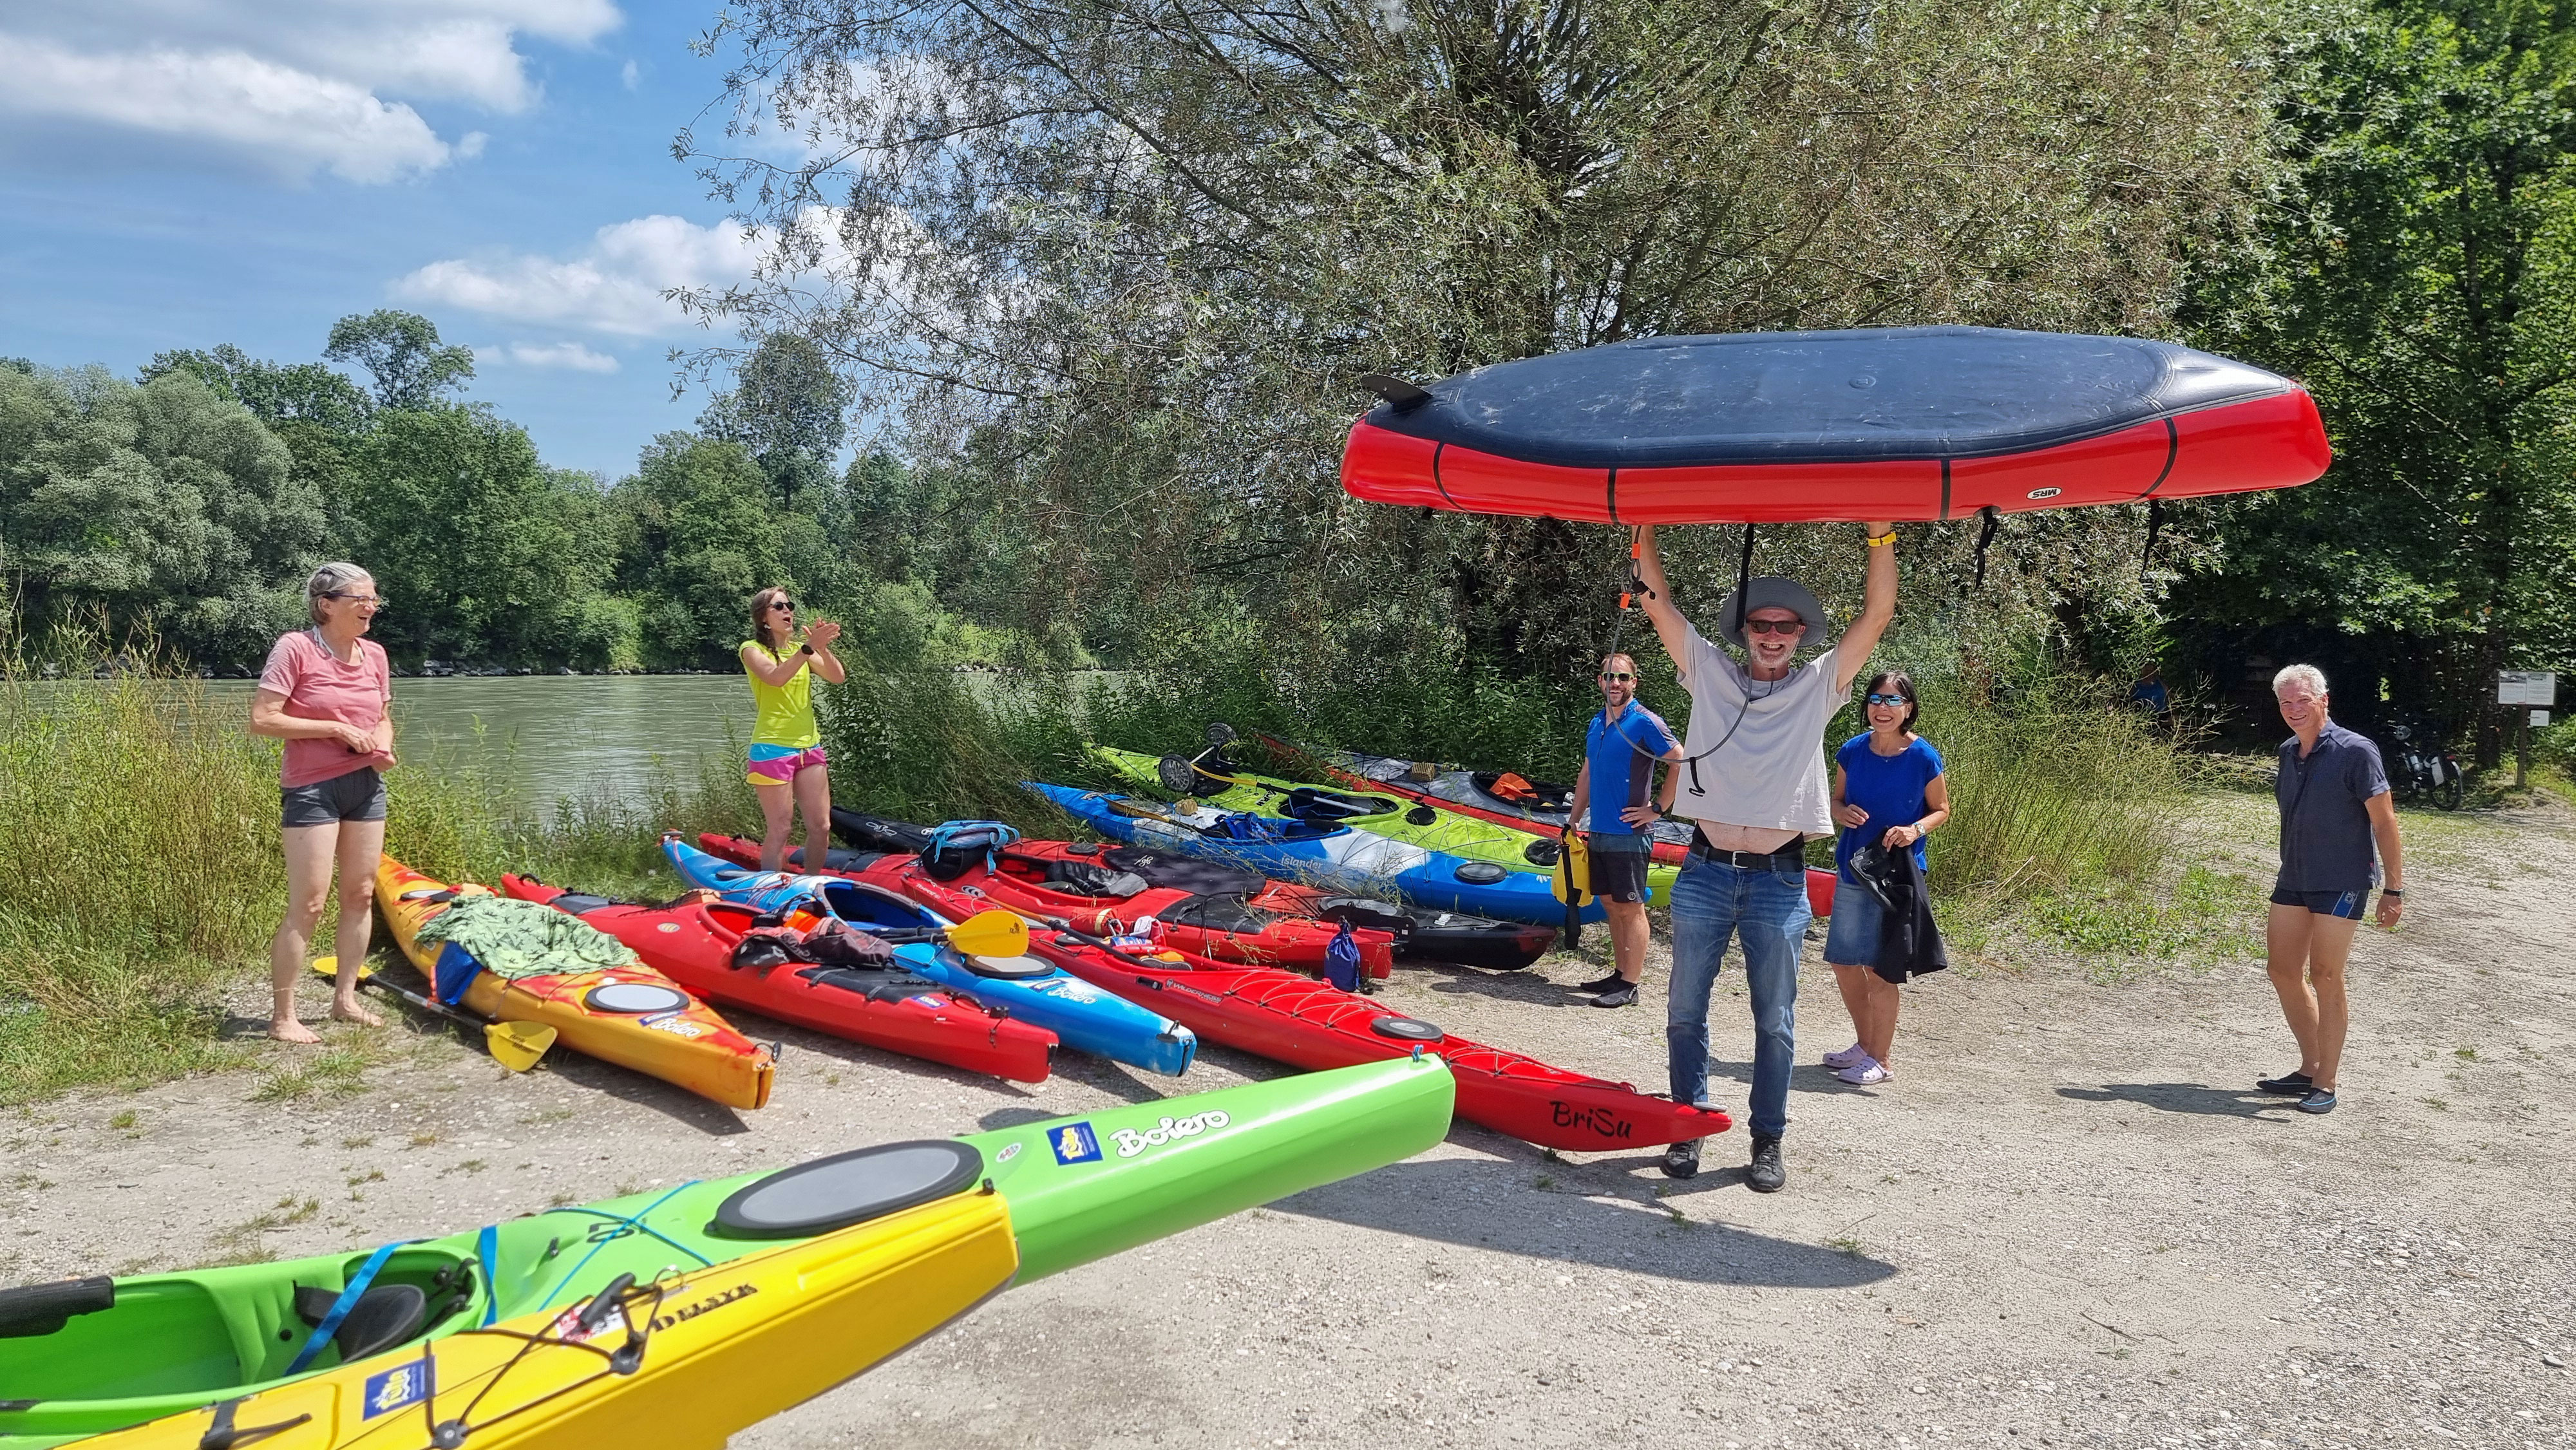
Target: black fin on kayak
pixel 1404 397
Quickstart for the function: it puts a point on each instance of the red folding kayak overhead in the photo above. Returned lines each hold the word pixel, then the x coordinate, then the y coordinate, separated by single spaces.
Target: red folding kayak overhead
pixel 1910 424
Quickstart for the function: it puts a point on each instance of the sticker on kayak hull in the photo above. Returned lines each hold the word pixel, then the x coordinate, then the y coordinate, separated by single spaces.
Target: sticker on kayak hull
pixel 1130 1142
pixel 1075 1143
pixel 1009 1152
pixel 404 1384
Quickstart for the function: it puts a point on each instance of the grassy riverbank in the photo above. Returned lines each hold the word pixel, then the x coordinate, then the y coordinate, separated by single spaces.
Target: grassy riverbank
pixel 140 873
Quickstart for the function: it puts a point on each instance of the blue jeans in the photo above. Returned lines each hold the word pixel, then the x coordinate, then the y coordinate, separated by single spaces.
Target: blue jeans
pixel 1767 910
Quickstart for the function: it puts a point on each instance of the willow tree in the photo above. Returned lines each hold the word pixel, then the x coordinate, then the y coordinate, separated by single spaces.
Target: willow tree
pixel 1119 261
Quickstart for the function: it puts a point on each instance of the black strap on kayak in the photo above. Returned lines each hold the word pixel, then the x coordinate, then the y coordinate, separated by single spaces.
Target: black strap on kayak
pixel 350 1294
pixel 1994 518
pixel 223 1434
pixel 2155 525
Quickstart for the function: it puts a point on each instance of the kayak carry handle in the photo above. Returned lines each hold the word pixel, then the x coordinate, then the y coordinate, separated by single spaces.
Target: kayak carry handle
pixel 595 1313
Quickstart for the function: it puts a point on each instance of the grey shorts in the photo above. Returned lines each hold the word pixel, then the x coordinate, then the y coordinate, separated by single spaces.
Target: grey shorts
pixel 356 796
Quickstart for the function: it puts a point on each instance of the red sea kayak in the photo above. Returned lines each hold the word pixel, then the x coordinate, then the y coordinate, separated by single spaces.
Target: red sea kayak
pixel 1257 922
pixel 692 941
pixel 1306 1023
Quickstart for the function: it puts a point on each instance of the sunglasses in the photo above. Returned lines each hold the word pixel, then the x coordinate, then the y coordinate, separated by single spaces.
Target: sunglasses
pixel 786 604
pixel 1774 626
pixel 1878 699
pixel 363 601
pixel 1617 676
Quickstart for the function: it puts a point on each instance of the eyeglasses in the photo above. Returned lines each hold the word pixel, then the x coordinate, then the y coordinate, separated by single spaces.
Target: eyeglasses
pixel 363 601
pixel 786 604
pixel 1617 676
pixel 1876 698
pixel 1774 626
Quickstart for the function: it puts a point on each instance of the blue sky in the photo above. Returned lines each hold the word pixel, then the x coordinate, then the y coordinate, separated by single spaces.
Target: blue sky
pixel 181 173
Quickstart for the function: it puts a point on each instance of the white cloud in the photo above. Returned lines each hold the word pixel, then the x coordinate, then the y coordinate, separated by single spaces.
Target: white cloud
pixel 295 86
pixel 616 284
pixel 549 355
pixel 629 77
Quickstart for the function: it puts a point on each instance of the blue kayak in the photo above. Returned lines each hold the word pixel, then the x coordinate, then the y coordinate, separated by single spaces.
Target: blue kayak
pixel 1333 857
pixel 1038 992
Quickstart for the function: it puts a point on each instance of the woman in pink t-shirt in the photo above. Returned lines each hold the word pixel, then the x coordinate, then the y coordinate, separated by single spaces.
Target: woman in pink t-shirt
pixel 325 693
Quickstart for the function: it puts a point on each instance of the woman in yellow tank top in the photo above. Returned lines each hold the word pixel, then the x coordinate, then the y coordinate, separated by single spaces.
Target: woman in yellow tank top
pixel 787 766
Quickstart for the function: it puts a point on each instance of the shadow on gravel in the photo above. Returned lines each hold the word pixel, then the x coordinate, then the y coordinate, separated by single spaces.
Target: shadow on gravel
pixel 1465 1201
pixel 2182 1097
pixel 1525 987
pixel 679 1104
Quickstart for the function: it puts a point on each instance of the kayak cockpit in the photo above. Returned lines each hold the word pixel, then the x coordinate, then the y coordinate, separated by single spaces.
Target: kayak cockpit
pixel 91 1355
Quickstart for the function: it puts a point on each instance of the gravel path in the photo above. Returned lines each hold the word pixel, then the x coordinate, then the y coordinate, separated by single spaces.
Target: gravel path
pixel 2068 1222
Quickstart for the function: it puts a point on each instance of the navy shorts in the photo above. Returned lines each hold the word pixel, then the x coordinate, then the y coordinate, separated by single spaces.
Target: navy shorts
pixel 356 796
pixel 2347 904
pixel 1619 872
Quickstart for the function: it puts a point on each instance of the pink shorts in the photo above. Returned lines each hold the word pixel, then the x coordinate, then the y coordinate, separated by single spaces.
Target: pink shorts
pixel 778 764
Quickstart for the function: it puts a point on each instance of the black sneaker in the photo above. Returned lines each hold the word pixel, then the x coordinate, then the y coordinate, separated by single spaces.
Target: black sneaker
pixel 1766 1174
pixel 2318 1100
pixel 2287 1085
pixel 1623 995
pixel 1610 983
pixel 1681 1160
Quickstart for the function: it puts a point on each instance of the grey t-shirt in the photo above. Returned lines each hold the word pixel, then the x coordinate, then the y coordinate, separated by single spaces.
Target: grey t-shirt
pixel 1770 773
pixel 2326 843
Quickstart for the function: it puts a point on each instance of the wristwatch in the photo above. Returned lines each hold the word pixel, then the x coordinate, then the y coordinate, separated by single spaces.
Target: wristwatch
pixel 805 649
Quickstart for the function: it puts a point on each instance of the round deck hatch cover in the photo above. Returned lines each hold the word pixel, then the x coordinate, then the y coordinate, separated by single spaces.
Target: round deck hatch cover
pixel 847 1188
pixel 1481 873
pixel 634 998
pixel 1406 1029
pixel 1009 969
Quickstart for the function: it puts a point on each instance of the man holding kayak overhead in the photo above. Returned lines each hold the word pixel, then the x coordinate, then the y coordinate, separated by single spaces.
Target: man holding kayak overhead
pixel 1620 749
pixel 1753 780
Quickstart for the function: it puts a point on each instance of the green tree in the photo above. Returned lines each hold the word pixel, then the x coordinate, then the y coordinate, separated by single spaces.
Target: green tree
pixel 700 537
pixel 487 554
pixel 2421 277
pixel 275 392
pixel 1118 264
pixel 786 411
pixel 162 505
pixel 401 351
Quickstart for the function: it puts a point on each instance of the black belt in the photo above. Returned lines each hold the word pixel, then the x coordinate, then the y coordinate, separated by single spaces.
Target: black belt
pixel 1795 851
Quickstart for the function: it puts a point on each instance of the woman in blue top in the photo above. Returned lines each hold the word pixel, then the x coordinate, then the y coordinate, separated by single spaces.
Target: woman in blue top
pixel 1888 788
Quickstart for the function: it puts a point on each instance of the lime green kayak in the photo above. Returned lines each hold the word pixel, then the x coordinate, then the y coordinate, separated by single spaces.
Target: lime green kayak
pixel 1416 822
pixel 85 1356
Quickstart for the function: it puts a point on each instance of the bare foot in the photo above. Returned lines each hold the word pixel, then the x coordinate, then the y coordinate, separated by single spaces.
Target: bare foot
pixel 352 1012
pixel 287 1029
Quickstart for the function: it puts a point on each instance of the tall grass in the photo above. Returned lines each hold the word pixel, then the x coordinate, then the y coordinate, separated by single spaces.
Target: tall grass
pixel 141 872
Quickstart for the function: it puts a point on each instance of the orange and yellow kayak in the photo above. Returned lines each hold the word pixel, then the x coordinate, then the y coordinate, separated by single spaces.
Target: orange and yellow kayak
pixel 631 1015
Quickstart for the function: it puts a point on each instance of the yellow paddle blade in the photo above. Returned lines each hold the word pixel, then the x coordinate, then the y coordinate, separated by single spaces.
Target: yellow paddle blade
pixel 328 968
pixel 991 934
pixel 518 1045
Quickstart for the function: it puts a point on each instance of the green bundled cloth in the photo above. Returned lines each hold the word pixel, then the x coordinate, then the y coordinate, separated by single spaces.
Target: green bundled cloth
pixel 511 938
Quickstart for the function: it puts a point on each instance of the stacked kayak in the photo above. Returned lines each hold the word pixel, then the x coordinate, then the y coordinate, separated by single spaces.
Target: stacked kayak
pixel 1217 783
pixel 1209 923
pixel 698 943
pixel 673 1318
pixel 1306 1023
pixel 1531 807
pixel 1329 856
pixel 600 999
pixel 1239 917
pixel 1029 988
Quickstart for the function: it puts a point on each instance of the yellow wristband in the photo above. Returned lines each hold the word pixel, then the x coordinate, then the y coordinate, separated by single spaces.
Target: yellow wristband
pixel 1884 539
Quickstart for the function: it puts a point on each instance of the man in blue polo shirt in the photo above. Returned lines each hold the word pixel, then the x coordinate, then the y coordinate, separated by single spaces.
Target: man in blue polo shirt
pixel 2338 832
pixel 1620 749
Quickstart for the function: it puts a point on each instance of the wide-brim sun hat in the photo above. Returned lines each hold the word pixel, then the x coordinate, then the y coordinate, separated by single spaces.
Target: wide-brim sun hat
pixel 1770 591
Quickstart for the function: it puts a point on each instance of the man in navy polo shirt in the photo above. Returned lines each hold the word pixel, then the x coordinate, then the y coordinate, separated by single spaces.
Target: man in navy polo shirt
pixel 1620 749
pixel 2335 807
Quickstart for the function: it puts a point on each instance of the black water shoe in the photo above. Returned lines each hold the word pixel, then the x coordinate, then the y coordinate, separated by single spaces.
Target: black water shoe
pixel 1623 995
pixel 1681 1160
pixel 2288 1085
pixel 1766 1174
pixel 1610 983
pixel 2318 1100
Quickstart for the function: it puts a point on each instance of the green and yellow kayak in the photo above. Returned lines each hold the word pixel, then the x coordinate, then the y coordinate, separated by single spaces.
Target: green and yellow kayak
pixel 514 1327
pixel 1427 824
